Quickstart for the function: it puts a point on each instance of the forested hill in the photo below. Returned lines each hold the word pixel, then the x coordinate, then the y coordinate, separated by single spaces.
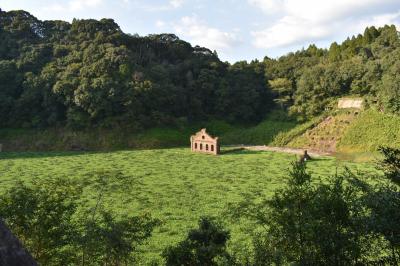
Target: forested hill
pixel 307 82
pixel 89 73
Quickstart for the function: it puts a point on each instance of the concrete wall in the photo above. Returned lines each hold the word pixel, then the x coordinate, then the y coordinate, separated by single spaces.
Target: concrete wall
pixel 350 103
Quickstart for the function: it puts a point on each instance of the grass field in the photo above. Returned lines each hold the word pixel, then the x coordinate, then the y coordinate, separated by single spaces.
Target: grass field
pixel 174 185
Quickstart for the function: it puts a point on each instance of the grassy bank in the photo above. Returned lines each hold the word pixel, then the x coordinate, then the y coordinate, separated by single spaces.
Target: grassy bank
pixel 63 139
pixel 351 137
pixel 369 131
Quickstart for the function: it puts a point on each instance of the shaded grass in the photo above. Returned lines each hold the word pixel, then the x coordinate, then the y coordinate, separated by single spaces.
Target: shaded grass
pixel 283 138
pixel 96 139
pixel 263 133
pixel 174 185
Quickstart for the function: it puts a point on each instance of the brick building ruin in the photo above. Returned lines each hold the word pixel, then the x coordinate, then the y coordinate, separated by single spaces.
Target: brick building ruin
pixel 204 143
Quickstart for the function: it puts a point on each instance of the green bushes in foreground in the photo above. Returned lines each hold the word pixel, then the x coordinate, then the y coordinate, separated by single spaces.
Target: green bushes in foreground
pixel 45 217
pixel 344 221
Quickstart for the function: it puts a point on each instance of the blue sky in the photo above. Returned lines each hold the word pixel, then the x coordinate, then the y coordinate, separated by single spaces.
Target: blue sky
pixel 236 29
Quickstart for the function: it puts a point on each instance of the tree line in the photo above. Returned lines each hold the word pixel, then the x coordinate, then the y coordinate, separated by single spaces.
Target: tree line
pixel 89 73
pixel 348 219
pixel 308 82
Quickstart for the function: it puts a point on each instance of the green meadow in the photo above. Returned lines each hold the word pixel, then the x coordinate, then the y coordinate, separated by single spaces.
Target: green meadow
pixel 173 185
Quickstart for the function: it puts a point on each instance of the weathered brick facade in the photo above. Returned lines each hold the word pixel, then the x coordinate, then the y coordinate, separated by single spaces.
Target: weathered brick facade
pixel 203 142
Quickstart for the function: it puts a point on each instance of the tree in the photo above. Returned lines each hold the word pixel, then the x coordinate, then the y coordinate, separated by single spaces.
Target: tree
pixel 391 163
pixel 41 216
pixel 111 241
pixel 382 201
pixel 390 91
pixel 308 224
pixel 203 246
pixel 104 238
pixel 284 89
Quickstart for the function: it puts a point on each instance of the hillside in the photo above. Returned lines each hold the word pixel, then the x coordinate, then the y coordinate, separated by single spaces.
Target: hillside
pixel 325 136
pixel 369 131
pixel 348 134
pixel 89 73
pixel 87 85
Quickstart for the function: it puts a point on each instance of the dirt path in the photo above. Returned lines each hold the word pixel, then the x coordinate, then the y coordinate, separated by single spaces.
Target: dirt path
pixel 284 149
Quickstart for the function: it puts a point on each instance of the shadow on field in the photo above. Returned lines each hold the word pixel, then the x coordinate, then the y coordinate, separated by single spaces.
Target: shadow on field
pixel 238 151
pixel 32 155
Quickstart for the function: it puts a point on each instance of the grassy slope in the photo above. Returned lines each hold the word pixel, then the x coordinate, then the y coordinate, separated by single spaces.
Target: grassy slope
pixel 285 137
pixel 369 131
pixel 262 134
pixel 355 138
pixel 174 185
pixel 326 134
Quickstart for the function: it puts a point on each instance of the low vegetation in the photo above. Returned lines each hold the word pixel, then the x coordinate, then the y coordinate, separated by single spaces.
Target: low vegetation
pixel 369 131
pixel 175 186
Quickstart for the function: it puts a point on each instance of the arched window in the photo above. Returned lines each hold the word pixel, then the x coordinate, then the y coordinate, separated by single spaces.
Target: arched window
pixel 212 147
pixel 206 147
pixel 195 145
pixel 201 146
pixel 202 137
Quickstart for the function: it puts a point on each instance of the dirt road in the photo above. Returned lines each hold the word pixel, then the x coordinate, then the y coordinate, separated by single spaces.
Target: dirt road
pixel 283 149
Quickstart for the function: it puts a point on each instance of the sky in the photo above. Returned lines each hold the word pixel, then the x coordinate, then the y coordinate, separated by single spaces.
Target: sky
pixel 236 29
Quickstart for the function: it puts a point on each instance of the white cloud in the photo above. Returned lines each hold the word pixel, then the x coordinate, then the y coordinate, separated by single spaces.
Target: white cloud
pixel 160 24
pixel 380 20
pixel 199 33
pixel 74 5
pixel 268 6
pixel 287 31
pixel 313 20
pixel 176 3
pixel 170 5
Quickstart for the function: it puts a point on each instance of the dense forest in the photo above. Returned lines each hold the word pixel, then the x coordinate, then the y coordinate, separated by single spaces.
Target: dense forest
pixel 89 73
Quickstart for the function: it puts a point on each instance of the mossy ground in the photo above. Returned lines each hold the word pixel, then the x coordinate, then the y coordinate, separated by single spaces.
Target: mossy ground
pixel 174 185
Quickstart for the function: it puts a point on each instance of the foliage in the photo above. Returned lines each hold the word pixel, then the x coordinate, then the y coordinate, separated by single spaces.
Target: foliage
pixel 89 73
pixel 283 88
pixel 391 163
pixel 107 240
pixel 48 218
pixel 315 223
pixel 383 202
pixel 41 216
pixel 346 220
pixel 363 65
pixel 203 246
